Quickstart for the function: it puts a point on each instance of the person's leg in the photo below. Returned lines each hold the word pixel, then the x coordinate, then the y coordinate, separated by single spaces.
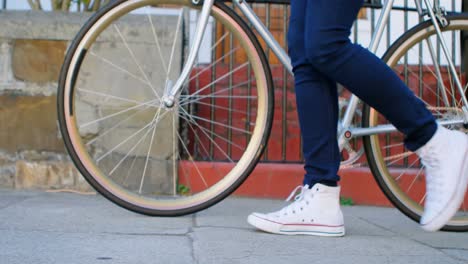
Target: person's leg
pixel 316 210
pixel 329 49
pixel 443 152
pixel 317 107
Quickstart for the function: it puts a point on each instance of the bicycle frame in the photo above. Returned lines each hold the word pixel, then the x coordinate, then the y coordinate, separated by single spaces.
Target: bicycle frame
pixel 345 131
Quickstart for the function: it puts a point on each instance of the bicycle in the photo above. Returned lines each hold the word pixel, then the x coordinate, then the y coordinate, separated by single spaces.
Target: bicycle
pixel 152 141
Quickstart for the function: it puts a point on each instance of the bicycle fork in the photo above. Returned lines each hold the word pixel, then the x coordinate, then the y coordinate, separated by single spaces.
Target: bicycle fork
pixel 172 91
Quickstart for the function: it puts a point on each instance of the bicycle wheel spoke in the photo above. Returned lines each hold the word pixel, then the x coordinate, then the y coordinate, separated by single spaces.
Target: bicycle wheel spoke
pixel 429 88
pixel 192 160
pixel 434 75
pixel 195 98
pixel 414 180
pixel 125 141
pixel 402 173
pixel 393 145
pixel 398 157
pixel 221 124
pixel 113 128
pixel 212 141
pixel 179 20
pixel 205 130
pixel 114 114
pixel 129 152
pixel 111 96
pixel 153 158
pixel 156 41
pixel 422 199
pixel 121 69
pixel 154 122
pixel 220 107
pixel 212 65
pixel 220 79
pixel 136 61
pixel 124 181
pixel 419 61
pixel 175 153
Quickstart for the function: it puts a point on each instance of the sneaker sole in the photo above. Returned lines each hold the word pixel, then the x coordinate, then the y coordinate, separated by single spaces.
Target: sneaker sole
pixel 457 198
pixel 311 230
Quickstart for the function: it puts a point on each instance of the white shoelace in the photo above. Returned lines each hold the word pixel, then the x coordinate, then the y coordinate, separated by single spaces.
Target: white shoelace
pixel 298 200
pixel 299 196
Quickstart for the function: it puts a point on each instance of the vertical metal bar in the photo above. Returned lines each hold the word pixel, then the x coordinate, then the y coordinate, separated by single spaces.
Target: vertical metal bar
pixel 454 53
pixel 387 44
pixel 385 13
pixel 356 39
pixel 264 33
pixel 438 92
pixel 439 86
pixel 435 59
pixel 4 4
pixel 213 90
pixel 196 145
pixel 421 72
pixel 447 55
pixel 405 28
pixel 249 93
pixel 372 21
pixel 249 107
pixel 388 33
pixel 355 31
pixel 420 52
pixel 464 41
pixel 284 121
pixel 231 63
pixel 388 138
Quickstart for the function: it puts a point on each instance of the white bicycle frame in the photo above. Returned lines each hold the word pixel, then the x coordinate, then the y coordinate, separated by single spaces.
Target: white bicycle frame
pixel 345 131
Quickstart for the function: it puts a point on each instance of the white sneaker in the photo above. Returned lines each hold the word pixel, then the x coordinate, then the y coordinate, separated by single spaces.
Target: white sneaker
pixel 445 157
pixel 315 212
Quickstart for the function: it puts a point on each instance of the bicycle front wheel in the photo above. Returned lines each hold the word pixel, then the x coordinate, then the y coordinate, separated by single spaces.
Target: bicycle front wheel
pixel 417 57
pixel 136 151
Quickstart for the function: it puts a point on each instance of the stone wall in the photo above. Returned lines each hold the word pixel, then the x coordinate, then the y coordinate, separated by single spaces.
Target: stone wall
pixel 32 48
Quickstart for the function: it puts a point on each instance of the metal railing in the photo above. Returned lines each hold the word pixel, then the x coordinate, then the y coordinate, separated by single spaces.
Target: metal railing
pixel 284 145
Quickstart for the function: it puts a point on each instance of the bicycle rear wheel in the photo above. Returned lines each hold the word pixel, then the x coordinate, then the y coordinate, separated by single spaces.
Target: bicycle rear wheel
pixel 135 151
pixel 397 170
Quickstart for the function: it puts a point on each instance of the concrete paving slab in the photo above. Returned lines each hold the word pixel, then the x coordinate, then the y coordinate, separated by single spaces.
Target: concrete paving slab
pixel 461 254
pixel 41 227
pixel 42 247
pixel 9 197
pixel 216 245
pixel 394 221
pixel 240 208
pixel 65 212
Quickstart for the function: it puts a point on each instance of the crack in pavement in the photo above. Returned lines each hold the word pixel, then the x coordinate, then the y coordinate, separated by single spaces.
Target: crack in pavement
pixel 94 233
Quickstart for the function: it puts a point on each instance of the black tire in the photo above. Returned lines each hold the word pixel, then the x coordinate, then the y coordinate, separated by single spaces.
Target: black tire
pixel 62 115
pixel 402 201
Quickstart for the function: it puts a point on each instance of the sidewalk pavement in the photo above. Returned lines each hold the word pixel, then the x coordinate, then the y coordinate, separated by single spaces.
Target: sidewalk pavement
pixel 38 227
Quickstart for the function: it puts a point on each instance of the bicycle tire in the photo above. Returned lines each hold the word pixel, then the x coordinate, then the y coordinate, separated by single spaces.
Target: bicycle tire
pixel 176 204
pixel 393 187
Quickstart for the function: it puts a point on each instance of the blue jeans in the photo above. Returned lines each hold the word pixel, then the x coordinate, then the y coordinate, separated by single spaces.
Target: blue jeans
pixel 322 55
